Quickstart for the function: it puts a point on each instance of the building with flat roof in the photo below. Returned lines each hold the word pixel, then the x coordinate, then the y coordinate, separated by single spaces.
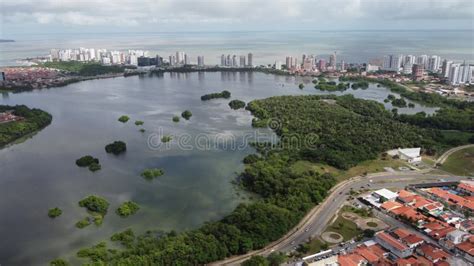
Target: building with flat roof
pixel 385 195
pixel 411 155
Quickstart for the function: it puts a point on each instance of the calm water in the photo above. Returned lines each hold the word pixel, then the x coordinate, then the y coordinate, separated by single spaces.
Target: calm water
pixel 40 173
pixel 267 46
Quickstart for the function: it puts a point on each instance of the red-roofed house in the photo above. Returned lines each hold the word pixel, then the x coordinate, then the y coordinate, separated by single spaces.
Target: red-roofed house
pixel 352 259
pixel 405 196
pixel 466 188
pixel 396 247
pixel 413 261
pixel 413 241
pixel 367 254
pixel 390 205
pixel 432 253
pixel 466 249
pixel 466 225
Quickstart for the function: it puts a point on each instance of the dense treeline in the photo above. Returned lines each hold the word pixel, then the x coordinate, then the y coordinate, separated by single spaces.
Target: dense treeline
pixel 84 69
pixel 34 120
pixel 341 134
pixel 453 115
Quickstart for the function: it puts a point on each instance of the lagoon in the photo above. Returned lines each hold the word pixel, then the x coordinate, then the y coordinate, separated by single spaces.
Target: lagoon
pixel 40 173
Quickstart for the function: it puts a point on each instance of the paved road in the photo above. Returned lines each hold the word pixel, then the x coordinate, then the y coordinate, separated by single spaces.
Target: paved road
pixel 316 220
pixel 445 155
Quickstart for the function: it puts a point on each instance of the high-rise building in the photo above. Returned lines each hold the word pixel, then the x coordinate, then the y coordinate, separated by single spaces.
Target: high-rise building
pixel 308 64
pixel 133 60
pixel 242 61
pixel 343 65
pixel 201 61
pixel 422 60
pixel 433 63
pixel 392 63
pixel 222 60
pixel 186 59
pixel 277 65
pixel 234 60
pixel 461 74
pixel 322 65
pixel 289 62
pixel 172 60
pixel 2 76
pixel 445 68
pixel 409 60
pixel 418 71
pixel 454 76
pixel 250 60
pixel 332 60
pixel 228 61
pixel 179 58
pixel 159 61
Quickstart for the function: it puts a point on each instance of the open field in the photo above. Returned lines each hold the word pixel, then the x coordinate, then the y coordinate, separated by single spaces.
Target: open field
pixel 460 163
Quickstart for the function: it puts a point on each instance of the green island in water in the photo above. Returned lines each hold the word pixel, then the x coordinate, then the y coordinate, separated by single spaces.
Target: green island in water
pixel 20 121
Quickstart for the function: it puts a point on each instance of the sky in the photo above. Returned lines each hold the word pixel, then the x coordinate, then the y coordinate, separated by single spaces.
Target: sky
pixel 83 16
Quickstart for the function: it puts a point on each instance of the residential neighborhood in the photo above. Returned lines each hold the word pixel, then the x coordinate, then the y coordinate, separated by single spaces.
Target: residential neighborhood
pixel 435 227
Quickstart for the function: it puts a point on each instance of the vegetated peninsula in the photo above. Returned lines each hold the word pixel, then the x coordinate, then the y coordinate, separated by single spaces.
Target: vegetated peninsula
pixel 223 94
pixel 352 130
pixel 19 121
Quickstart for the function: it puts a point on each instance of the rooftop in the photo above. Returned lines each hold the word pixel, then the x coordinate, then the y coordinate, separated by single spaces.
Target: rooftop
pixel 410 152
pixel 386 193
pixel 391 241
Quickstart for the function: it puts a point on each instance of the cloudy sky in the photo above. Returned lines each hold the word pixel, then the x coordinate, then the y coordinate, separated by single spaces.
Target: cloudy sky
pixel 51 16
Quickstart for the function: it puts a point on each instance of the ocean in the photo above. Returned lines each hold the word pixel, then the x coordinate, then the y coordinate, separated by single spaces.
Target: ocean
pixel 266 46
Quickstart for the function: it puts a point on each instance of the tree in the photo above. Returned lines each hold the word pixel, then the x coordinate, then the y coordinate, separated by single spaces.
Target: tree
pixel 276 258
pixel 58 262
pixel 236 104
pixel 54 212
pixel 95 203
pixel 369 233
pixel 186 114
pixel 256 261
pixel 116 147
pixel 86 161
pixel 127 208
pixel 124 119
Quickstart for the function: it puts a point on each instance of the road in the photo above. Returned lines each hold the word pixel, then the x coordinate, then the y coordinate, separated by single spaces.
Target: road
pixel 314 223
pixel 445 155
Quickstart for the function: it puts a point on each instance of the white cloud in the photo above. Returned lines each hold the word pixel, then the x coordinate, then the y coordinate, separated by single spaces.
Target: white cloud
pixel 230 12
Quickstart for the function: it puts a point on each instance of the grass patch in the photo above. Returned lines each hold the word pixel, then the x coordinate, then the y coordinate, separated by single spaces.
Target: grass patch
pixel 362 212
pixel 371 166
pixel 460 162
pixel 371 224
pixel 301 167
pixel 346 228
pixel 316 245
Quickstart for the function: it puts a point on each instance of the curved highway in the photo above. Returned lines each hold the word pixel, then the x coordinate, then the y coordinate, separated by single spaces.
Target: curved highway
pixel 314 223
